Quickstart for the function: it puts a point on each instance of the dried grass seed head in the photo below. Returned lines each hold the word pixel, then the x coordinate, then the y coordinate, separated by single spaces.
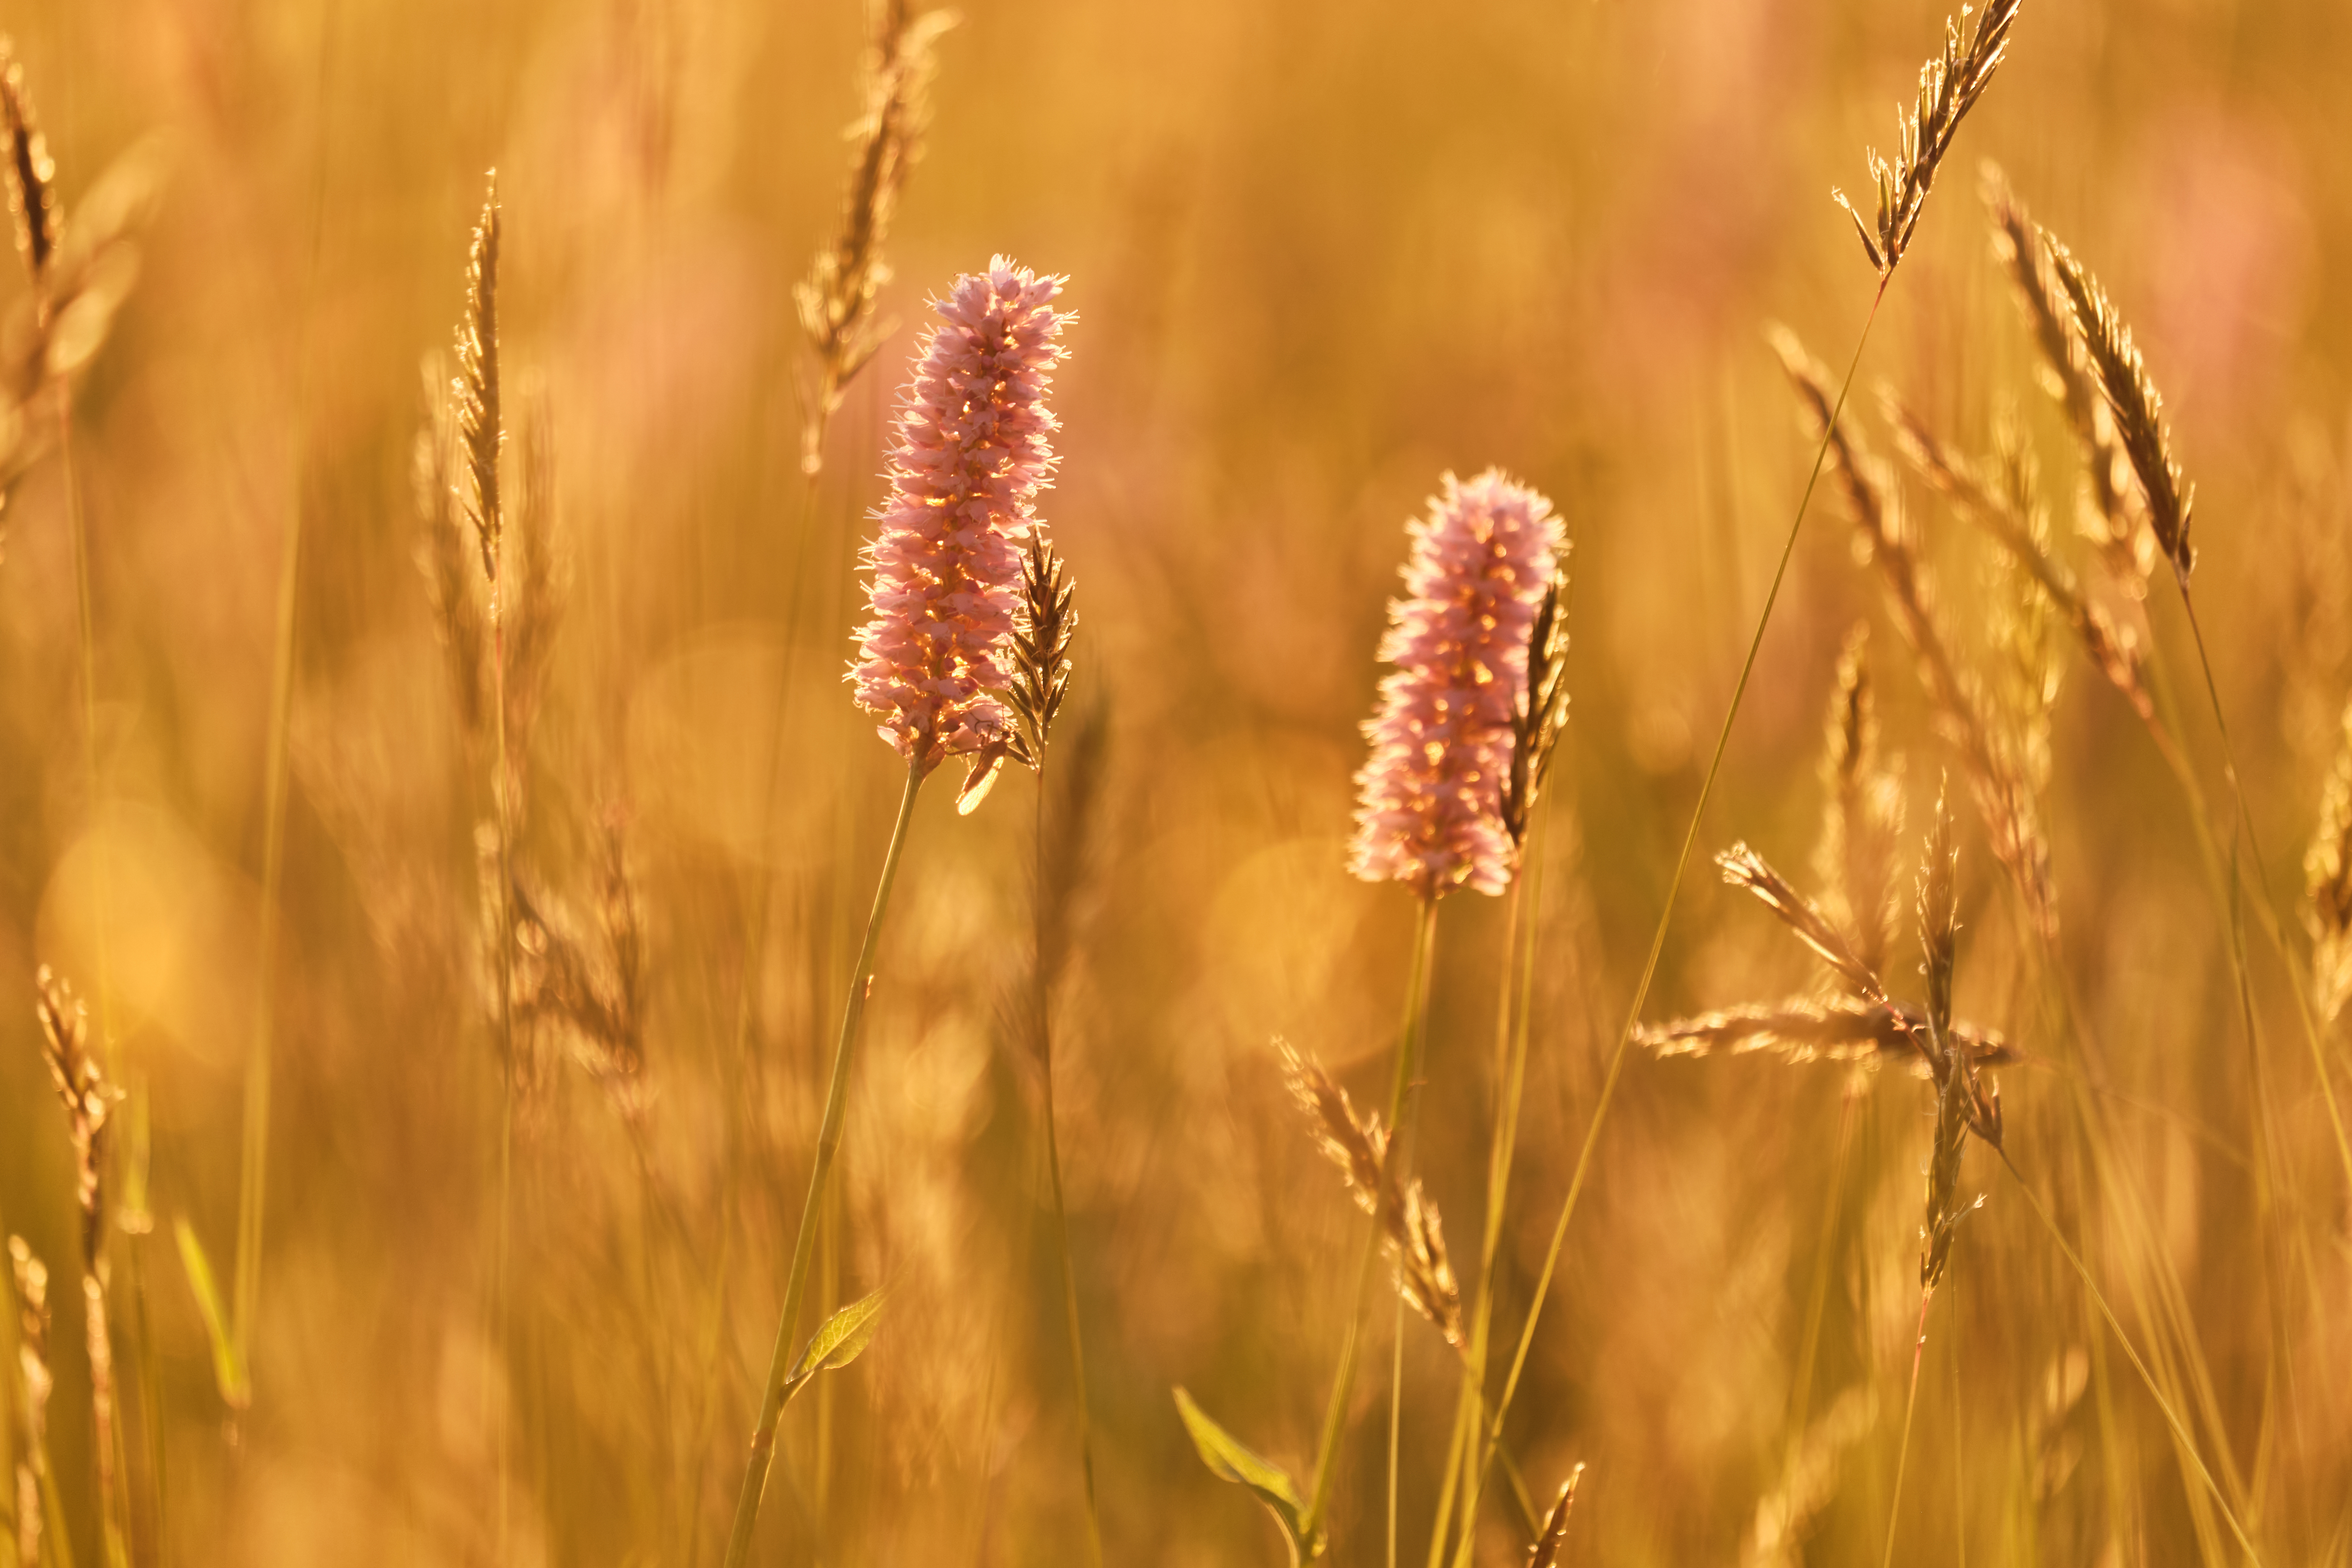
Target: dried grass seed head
pixel 836 302
pixel 481 431
pixel 1409 1222
pixel 1042 631
pixel 1545 1553
pixel 1743 868
pixel 32 175
pixel 1862 809
pixel 2327 886
pixel 1430 796
pixel 2137 407
pixel 2111 514
pixel 1949 86
pixel 1542 713
pixel 1801 1029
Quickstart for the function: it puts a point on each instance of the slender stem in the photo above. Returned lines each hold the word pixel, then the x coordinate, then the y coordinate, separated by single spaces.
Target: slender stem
pixel 828 1143
pixel 2179 1431
pixel 1396 1414
pixel 1403 1116
pixel 502 809
pixel 1335 1414
pixel 1510 1077
pixel 1042 1001
pixel 113 1512
pixel 1665 916
pixel 1910 1404
pixel 252 1166
pixel 2243 822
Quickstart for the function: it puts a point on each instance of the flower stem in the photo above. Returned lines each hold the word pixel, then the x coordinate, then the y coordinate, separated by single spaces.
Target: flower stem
pixel 828 1143
pixel 1043 1004
pixel 1415 1014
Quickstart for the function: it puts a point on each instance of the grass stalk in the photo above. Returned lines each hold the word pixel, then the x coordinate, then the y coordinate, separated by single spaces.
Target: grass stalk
pixel 1327 1451
pixel 828 1143
pixel 1910 1408
pixel 1043 1004
pixel 1665 918
pixel 2163 1406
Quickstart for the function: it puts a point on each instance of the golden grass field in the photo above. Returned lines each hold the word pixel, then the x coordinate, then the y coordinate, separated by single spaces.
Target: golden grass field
pixel 462 993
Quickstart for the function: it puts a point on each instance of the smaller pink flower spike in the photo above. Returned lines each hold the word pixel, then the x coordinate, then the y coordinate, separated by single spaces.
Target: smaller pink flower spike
pixel 974 450
pixel 1429 803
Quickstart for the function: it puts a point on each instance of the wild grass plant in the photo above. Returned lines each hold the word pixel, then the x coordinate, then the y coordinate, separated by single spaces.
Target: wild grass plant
pixel 607 1111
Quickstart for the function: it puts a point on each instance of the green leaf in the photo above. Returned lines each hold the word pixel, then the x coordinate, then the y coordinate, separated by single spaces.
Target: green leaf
pixel 1229 1460
pixel 838 1340
pixel 229 1367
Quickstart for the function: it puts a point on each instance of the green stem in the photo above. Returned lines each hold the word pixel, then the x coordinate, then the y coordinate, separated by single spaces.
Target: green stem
pixel 1335 1415
pixel 1042 1002
pixel 1666 917
pixel 828 1143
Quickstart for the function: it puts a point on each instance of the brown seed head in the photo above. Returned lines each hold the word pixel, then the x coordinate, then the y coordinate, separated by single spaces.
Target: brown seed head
pixel 32 178
pixel 2139 408
pixel 475 392
pixel 836 302
pixel 1542 715
pixel 1545 1553
pixel 2327 887
pixel 1949 87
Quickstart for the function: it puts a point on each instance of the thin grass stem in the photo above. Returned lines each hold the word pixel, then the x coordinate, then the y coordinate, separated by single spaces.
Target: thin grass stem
pixel 1910 1406
pixel 828 1145
pixel 2163 1406
pixel 1327 1451
pixel 1042 1002
pixel 1665 916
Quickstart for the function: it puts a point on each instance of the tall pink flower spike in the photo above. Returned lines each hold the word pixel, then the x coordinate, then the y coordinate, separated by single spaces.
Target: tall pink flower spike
pixel 1429 804
pixel 974 450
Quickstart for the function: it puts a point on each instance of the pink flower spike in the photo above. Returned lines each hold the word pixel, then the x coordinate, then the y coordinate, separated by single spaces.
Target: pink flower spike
pixel 1428 801
pixel 974 450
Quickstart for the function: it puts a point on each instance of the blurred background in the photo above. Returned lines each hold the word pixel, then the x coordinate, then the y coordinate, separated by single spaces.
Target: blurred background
pixel 1320 253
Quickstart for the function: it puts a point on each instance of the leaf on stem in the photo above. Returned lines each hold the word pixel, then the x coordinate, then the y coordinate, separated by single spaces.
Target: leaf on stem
pixel 1229 1460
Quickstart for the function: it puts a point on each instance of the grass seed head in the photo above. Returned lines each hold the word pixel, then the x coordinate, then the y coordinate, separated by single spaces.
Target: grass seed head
pixel 1949 86
pixel 2139 408
pixel 32 176
pixel 836 301
pixel 481 432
